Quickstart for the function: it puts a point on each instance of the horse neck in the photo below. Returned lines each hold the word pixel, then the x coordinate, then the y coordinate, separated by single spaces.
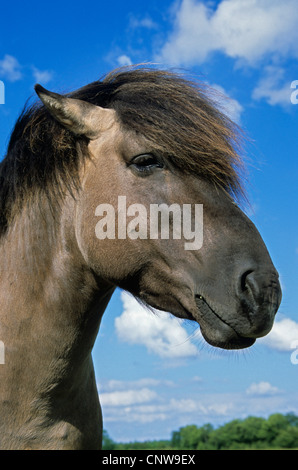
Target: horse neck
pixel 40 261
pixel 50 306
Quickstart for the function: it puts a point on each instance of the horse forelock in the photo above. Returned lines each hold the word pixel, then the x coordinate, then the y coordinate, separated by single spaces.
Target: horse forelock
pixel 178 116
pixel 183 119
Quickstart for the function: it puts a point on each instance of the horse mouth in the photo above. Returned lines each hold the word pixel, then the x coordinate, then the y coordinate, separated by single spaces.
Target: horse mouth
pixel 216 331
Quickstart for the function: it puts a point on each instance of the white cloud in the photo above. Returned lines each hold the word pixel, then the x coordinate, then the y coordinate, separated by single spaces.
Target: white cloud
pixel 233 109
pixel 124 60
pixel 138 407
pixel 145 22
pixel 118 385
pixel 10 68
pixel 262 388
pixel 273 87
pixel 248 30
pixel 282 336
pixel 42 76
pixel 122 409
pixel 229 106
pixel 140 414
pixel 205 407
pixel 127 397
pixel 160 332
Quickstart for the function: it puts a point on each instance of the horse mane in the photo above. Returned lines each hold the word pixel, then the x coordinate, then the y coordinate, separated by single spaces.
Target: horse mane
pixel 178 116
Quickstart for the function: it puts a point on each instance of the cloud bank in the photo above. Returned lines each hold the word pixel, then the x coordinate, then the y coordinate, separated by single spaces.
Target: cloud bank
pixel 12 71
pixel 161 333
pixel 246 30
pixel 282 336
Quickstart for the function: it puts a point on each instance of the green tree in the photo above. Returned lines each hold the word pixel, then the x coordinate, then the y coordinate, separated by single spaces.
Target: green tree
pixel 176 439
pixel 248 431
pixel 278 431
pixel 203 435
pixel 271 427
pixel 287 438
pixel 189 437
pixel 107 442
pixel 292 419
pixel 226 435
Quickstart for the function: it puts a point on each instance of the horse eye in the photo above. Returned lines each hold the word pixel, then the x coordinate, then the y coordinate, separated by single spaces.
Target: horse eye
pixel 146 162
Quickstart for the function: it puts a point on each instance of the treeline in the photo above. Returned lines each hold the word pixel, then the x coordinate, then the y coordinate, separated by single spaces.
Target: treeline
pixel 276 432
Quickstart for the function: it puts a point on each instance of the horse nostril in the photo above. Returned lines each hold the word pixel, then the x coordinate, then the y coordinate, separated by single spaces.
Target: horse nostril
pixel 247 282
pixel 257 287
pixel 259 296
pixel 252 289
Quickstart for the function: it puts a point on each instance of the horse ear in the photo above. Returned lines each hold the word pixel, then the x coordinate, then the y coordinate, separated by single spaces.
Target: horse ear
pixel 80 117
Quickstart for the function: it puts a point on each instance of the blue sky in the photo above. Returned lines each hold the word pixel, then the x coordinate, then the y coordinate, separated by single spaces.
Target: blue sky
pixel 157 375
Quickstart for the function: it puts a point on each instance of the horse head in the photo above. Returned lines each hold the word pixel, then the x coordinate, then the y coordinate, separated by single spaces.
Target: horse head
pixel 159 143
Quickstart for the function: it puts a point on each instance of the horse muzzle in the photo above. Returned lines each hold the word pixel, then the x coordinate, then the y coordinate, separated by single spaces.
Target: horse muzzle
pixel 251 315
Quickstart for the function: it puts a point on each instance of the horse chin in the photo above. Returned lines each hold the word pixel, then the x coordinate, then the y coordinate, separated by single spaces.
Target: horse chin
pixel 217 332
pixel 220 339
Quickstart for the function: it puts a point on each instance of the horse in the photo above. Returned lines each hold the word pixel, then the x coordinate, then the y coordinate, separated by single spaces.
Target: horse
pixel 155 137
